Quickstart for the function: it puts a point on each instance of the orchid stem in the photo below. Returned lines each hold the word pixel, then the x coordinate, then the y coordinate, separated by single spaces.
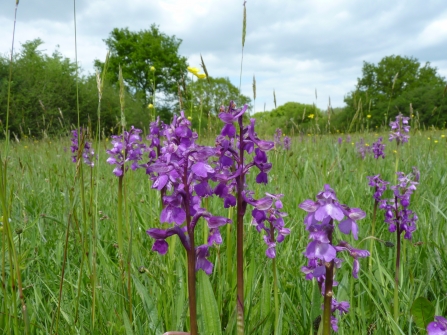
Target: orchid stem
pixel 371 245
pixel 275 280
pixel 328 293
pixel 396 277
pixel 240 236
pixel 191 253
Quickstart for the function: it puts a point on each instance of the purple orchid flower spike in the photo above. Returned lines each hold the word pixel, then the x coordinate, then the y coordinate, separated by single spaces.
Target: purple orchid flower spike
pixel 87 154
pixel 355 254
pixel 399 129
pixel 287 143
pixel 231 172
pixel 277 138
pixel 378 148
pixel 362 148
pixel 398 216
pixel 321 251
pixel 267 217
pixel 183 170
pixel 126 148
pixel 438 327
pixel 379 186
pixel 397 213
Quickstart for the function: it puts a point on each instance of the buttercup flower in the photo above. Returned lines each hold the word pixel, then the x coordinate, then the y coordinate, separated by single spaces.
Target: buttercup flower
pixel 193 70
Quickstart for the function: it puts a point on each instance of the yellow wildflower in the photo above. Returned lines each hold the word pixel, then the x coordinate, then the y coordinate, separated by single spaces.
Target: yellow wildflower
pixel 193 70
pixel 311 116
pixel 150 106
pixel 201 75
pixel 442 135
pixel 189 117
pixel 368 116
pixel 152 69
pixel 436 141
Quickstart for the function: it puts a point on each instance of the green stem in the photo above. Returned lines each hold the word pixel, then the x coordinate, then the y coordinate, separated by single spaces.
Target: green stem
pixel 93 255
pixel 119 221
pixel 119 230
pixel 371 243
pixel 396 277
pixel 240 237
pixel 328 293
pixel 191 254
pixel 229 250
pixel 129 250
pixel 275 280
pixel 13 257
pixel 10 80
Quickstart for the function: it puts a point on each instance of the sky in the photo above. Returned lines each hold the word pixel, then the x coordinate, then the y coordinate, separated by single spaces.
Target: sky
pixel 307 51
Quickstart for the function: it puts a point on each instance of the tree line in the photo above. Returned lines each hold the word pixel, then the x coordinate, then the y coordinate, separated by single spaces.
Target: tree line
pixel 46 91
pixel 397 84
pixel 48 97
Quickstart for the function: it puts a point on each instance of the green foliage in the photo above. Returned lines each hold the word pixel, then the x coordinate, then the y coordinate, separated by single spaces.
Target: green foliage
pixel 41 85
pixel 46 201
pixel 292 117
pixel 384 90
pixel 213 93
pixel 423 312
pixel 136 53
pixel 43 96
pixel 428 103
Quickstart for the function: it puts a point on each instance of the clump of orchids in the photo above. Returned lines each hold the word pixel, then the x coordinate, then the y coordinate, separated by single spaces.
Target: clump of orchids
pixel 322 251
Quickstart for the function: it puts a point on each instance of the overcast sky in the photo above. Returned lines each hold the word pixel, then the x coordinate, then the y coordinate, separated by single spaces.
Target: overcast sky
pixel 293 47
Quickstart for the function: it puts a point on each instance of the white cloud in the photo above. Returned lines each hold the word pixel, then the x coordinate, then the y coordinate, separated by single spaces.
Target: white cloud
pixel 292 47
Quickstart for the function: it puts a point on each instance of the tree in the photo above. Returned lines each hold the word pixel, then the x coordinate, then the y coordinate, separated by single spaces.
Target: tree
pixel 381 84
pixel 213 93
pixel 42 86
pixel 43 96
pixel 149 60
pixel 292 117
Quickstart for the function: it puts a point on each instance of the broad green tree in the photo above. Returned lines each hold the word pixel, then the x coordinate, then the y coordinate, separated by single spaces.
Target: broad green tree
pixel 150 62
pixel 212 93
pixel 292 118
pixel 384 84
pixel 43 96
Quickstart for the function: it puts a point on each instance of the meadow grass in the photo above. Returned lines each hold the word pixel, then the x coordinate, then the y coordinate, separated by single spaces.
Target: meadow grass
pixel 54 240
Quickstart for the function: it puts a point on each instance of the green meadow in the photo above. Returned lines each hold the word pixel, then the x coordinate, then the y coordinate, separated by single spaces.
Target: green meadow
pixel 61 240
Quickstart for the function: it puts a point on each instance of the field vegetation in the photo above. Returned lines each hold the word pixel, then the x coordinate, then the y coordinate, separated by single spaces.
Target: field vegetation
pixel 144 199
